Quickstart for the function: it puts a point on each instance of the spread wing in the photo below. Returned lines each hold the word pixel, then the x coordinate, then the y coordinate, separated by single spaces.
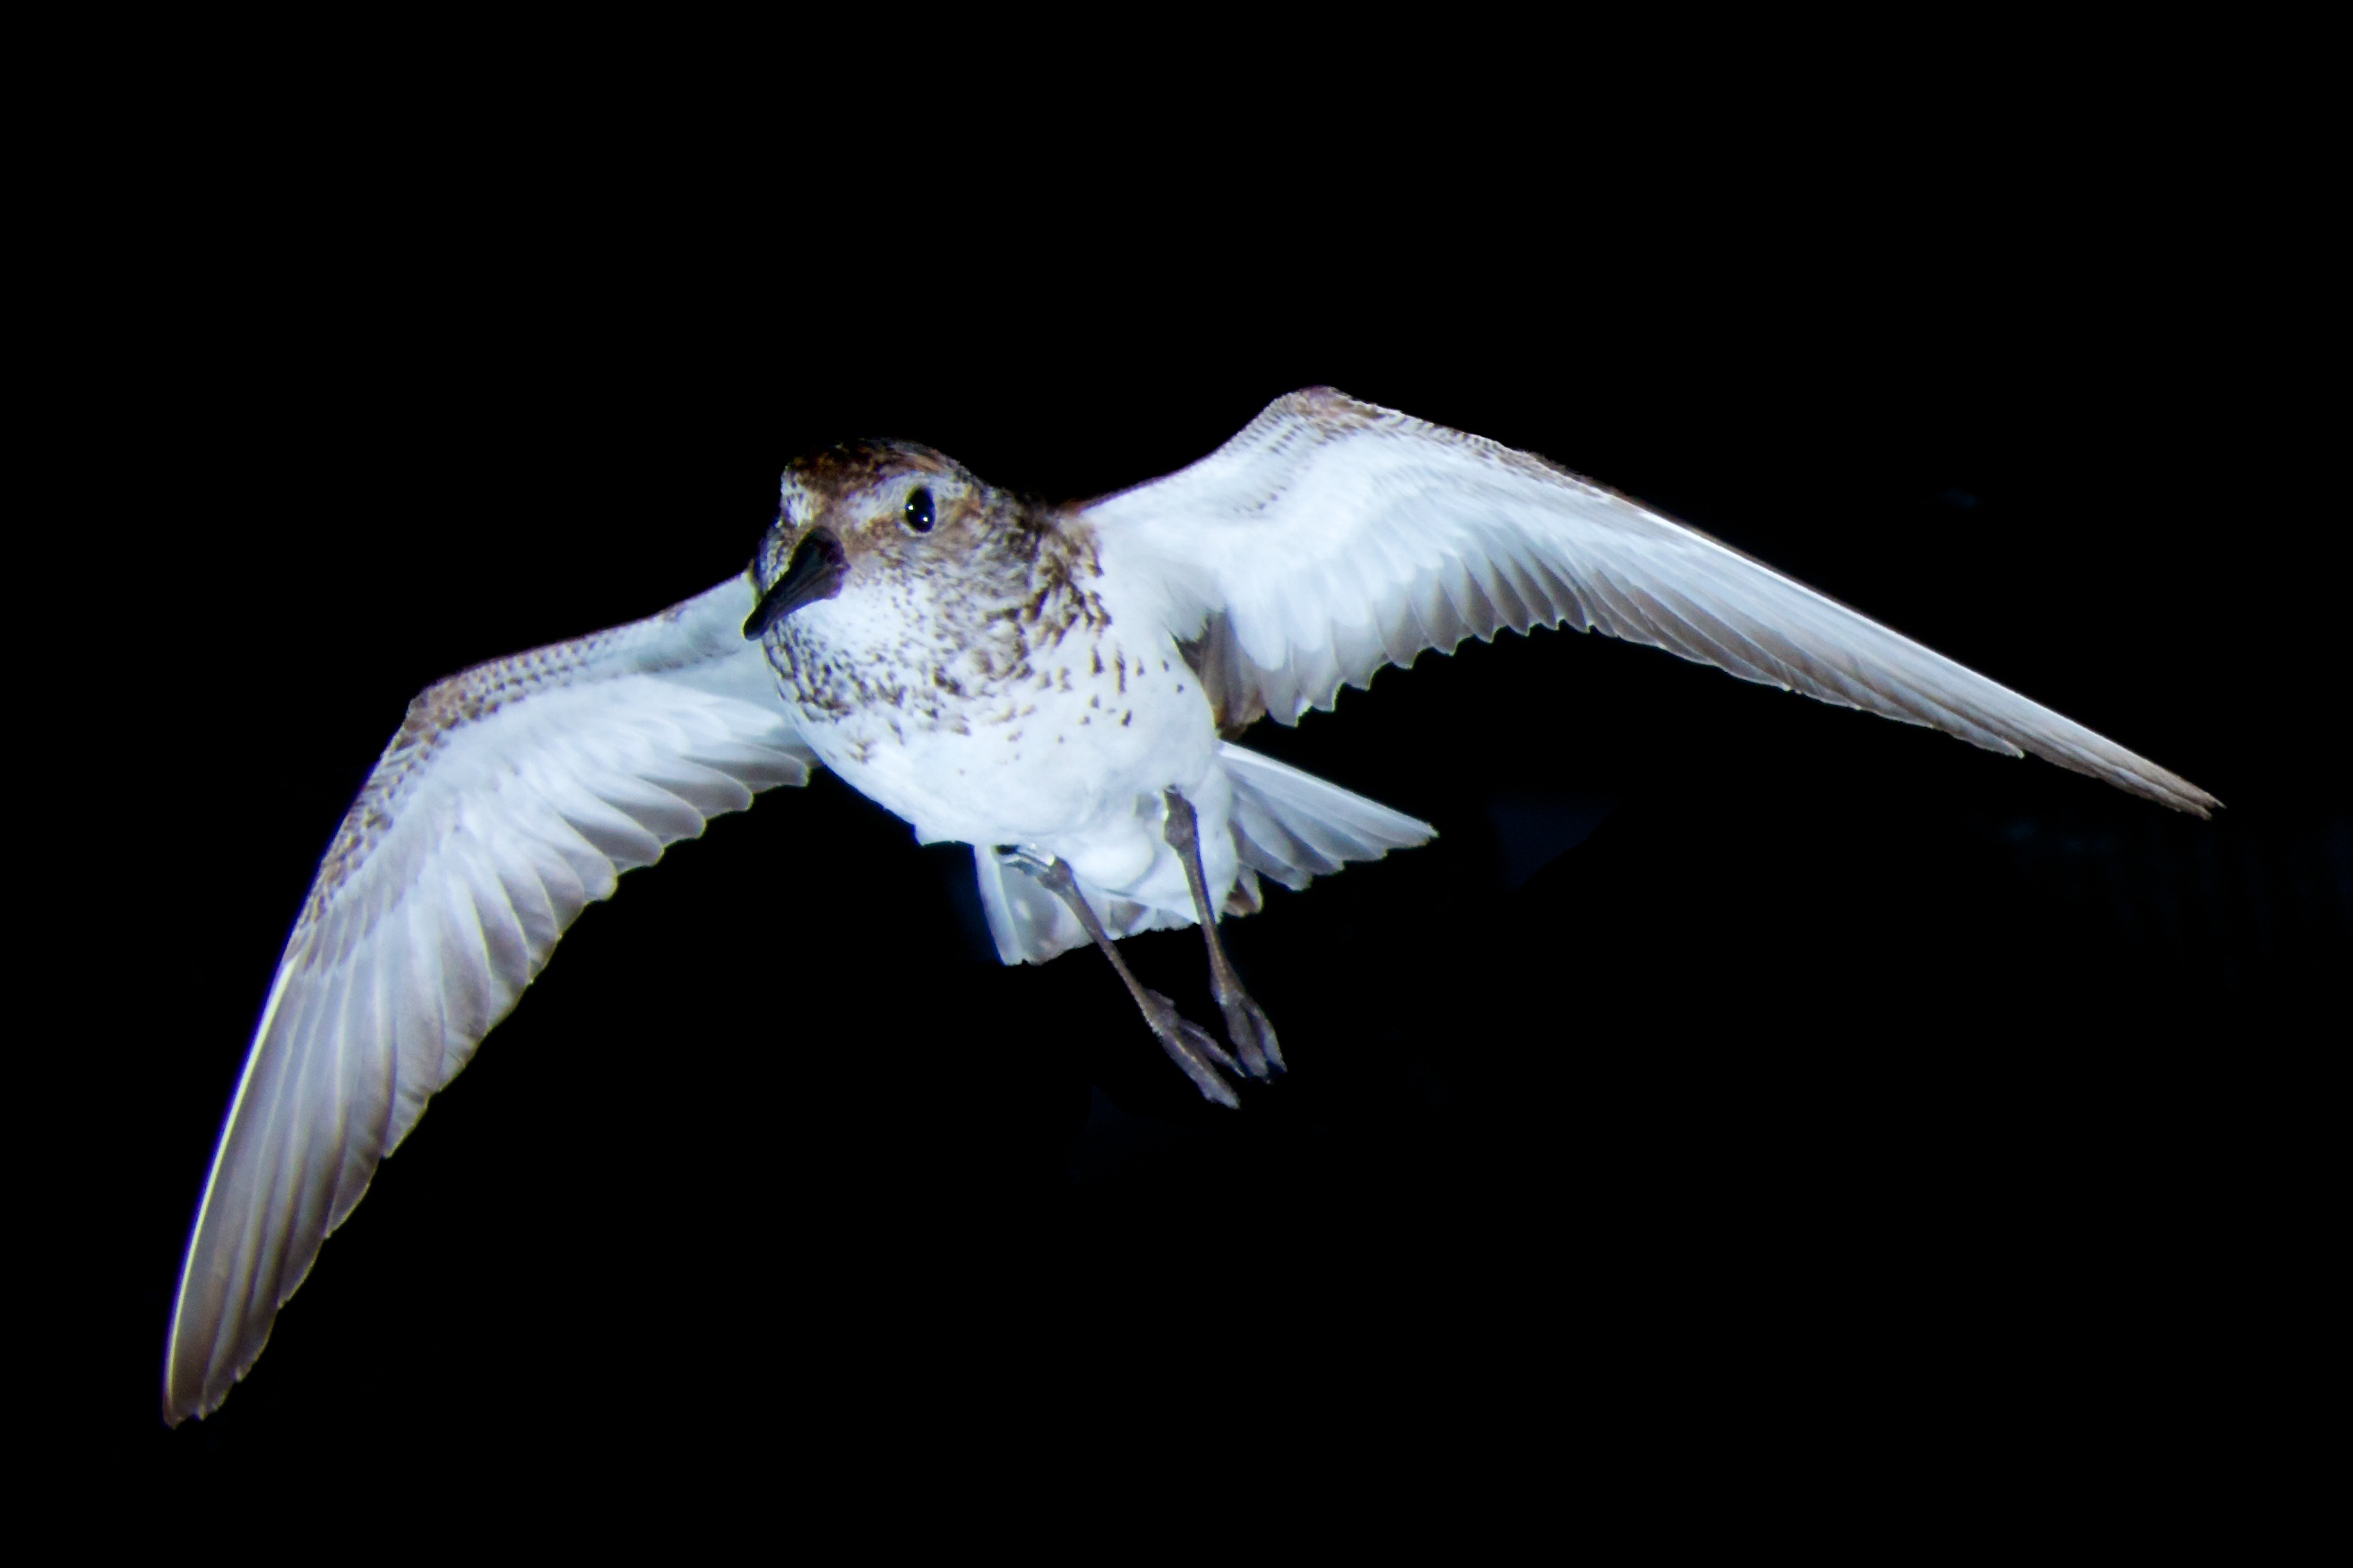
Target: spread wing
pixel 1332 537
pixel 510 799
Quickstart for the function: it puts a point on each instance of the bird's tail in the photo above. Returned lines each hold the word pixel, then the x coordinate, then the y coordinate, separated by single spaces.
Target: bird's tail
pixel 1031 924
pixel 1290 825
pixel 1293 827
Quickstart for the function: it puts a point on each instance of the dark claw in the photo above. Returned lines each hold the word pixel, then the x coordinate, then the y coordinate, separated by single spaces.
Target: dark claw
pixel 1246 1024
pixel 1192 1048
pixel 1252 1035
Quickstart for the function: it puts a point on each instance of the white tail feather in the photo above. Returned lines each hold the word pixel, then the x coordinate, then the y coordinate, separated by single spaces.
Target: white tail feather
pixel 1287 825
pixel 1293 826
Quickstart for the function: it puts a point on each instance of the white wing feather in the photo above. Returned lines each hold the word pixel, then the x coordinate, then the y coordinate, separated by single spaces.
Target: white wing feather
pixel 508 801
pixel 1332 537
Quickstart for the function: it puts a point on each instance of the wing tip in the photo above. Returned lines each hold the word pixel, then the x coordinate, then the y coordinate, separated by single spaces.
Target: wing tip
pixel 197 1390
pixel 2195 802
pixel 176 1412
pixel 200 1401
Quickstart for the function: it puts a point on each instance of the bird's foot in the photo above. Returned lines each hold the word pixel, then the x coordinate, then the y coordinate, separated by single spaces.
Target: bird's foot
pixel 1252 1035
pixel 1246 1024
pixel 1193 1049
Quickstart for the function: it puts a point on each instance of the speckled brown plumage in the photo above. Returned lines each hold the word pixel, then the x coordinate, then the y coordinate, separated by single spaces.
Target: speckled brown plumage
pixel 433 714
pixel 1004 579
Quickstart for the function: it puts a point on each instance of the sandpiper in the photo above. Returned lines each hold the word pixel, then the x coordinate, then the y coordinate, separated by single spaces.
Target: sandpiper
pixel 1057 685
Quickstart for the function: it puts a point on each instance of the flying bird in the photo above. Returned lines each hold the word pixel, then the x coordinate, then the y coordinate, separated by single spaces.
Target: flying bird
pixel 1060 686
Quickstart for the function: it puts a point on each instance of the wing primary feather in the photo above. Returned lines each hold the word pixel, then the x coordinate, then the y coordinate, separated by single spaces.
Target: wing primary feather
pixel 372 1080
pixel 507 802
pixel 1454 535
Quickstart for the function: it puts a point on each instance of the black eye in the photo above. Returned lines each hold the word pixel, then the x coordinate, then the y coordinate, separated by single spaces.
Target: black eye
pixel 919 511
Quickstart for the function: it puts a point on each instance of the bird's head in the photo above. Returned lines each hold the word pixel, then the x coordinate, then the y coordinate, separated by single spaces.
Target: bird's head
pixel 864 515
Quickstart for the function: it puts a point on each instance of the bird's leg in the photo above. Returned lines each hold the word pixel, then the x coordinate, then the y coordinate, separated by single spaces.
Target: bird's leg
pixel 1246 1024
pixel 1191 1047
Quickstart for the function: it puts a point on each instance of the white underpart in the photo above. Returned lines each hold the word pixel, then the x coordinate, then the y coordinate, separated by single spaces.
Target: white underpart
pixel 1078 770
pixel 1281 822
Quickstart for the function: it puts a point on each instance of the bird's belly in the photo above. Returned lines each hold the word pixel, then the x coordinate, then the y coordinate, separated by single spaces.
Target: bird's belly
pixel 1071 763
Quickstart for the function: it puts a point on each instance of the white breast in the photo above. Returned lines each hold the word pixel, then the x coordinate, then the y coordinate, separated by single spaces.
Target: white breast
pixel 1065 747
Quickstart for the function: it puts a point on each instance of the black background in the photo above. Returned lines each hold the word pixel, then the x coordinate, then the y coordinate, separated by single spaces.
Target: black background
pixel 1729 1059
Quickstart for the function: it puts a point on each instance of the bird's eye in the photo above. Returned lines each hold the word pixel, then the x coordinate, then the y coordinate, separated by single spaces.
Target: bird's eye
pixel 919 511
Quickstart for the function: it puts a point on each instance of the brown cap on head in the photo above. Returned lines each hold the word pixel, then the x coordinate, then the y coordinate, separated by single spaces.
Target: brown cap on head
pixel 842 472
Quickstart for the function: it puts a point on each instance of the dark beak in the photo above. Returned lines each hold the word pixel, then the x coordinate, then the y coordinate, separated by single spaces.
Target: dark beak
pixel 814 572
